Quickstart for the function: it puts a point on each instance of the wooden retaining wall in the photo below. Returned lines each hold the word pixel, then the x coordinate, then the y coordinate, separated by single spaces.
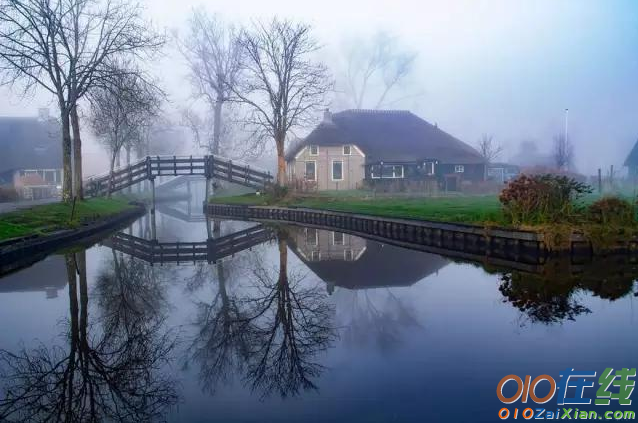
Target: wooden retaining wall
pixel 469 242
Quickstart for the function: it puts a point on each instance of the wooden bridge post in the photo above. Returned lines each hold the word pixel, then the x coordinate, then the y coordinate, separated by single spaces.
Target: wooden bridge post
pixel 153 225
pixel 208 173
pixel 153 197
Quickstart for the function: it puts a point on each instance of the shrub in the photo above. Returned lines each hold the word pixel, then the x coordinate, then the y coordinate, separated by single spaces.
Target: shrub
pixel 277 192
pixel 612 211
pixel 538 199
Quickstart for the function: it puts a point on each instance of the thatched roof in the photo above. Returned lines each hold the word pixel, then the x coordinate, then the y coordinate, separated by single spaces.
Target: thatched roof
pixel 380 265
pixel 389 135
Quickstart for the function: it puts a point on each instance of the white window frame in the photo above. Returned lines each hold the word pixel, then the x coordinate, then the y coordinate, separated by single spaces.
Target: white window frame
pixel 305 170
pixel 387 177
pixel 433 165
pixel 349 147
pixel 310 153
pixel 334 239
pixel 402 172
pixel 332 171
pixel 345 255
pixel 459 169
pixel 315 255
pixel 315 243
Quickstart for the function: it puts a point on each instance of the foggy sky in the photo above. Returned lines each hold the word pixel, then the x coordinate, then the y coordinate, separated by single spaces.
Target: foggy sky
pixel 508 68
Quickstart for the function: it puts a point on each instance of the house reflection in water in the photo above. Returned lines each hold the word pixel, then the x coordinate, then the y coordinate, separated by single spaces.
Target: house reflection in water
pixel 350 262
pixel 48 276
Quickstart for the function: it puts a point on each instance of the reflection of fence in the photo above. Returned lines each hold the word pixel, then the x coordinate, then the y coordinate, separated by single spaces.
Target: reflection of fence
pixel 210 251
pixel 210 167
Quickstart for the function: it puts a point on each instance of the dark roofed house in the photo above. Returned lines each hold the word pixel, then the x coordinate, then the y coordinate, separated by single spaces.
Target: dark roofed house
pixel 353 148
pixel 31 159
pixel 631 162
pixel 350 262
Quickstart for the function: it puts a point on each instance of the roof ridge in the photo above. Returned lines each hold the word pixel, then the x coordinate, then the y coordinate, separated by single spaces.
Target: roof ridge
pixel 377 111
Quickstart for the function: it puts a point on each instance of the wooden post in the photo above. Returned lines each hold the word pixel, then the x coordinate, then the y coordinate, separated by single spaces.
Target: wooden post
pixel 188 201
pixel 153 196
pixel 611 177
pixel 153 226
pixel 600 181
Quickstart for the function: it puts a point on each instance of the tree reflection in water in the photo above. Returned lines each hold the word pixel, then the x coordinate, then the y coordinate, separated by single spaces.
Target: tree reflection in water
pixel 110 374
pixel 376 316
pixel 270 334
pixel 553 295
pixel 130 293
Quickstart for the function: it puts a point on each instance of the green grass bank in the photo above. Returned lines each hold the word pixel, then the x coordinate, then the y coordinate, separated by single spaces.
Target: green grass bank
pixel 474 209
pixel 43 219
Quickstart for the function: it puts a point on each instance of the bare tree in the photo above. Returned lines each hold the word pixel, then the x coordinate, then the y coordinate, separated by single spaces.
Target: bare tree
pixel 377 65
pixel 279 82
pixel 563 152
pixel 122 111
pixel 213 53
pixel 64 46
pixel 489 150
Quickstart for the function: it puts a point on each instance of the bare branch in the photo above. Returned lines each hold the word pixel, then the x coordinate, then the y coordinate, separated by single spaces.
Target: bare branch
pixel 279 84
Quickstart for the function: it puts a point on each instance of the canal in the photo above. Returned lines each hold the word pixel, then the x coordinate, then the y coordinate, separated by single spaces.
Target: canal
pixel 184 319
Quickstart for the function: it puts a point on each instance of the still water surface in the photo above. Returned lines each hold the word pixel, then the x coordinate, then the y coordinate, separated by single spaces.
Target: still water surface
pixel 293 324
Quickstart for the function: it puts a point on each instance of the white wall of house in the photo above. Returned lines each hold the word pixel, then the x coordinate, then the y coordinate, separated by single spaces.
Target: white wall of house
pixel 318 245
pixel 335 169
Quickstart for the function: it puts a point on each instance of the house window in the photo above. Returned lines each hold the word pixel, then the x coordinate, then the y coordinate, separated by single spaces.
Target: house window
pixel 311 171
pixel 346 150
pixel 337 238
pixel 315 256
pixel 337 170
pixel 348 255
pixel 428 168
pixel 459 169
pixel 314 150
pixel 386 171
pixel 312 237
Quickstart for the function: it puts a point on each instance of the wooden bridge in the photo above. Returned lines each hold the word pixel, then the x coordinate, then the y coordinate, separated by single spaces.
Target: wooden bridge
pixel 209 167
pixel 209 251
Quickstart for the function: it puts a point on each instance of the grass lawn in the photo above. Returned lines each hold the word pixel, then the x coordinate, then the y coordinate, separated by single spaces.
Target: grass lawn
pixel 462 209
pixel 39 220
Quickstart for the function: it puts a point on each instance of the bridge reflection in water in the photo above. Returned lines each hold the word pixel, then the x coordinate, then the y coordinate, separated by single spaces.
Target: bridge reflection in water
pixel 211 250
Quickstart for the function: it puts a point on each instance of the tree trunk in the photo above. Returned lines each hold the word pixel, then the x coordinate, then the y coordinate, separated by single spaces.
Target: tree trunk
pixel 283 260
pixel 281 161
pixel 73 312
pixel 217 128
pixel 128 163
pixel 112 169
pixel 67 171
pixel 77 154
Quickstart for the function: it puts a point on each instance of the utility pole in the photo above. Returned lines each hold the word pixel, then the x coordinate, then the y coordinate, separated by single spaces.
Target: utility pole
pixel 566 123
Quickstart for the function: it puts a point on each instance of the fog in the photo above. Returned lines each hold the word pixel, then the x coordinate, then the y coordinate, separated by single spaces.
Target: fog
pixel 505 68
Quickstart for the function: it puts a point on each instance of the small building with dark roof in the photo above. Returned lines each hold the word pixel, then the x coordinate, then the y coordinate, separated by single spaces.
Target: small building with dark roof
pixel 31 159
pixel 355 148
pixel 631 162
pixel 350 262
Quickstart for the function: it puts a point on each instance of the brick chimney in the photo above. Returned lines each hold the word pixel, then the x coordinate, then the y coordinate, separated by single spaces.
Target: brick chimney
pixel 327 116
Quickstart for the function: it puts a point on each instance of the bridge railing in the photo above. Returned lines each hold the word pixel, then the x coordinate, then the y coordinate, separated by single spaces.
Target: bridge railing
pixel 209 251
pixel 210 166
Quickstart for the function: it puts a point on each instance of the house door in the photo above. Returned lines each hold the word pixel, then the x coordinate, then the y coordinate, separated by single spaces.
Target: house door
pixel 451 183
